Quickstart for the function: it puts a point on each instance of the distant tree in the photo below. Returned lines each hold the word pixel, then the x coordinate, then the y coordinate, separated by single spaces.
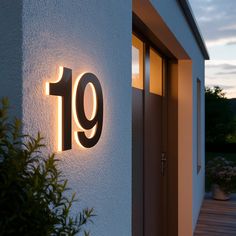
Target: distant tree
pixel 220 121
pixel 232 137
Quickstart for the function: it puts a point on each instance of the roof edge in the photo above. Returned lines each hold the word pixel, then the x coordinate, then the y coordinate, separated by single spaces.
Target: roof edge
pixel 187 10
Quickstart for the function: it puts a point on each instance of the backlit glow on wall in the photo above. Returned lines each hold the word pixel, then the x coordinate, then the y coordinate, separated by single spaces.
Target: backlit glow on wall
pixel 90 109
pixel 95 122
pixel 59 110
pixel 89 101
pixel 90 92
pixel 74 104
pixel 85 101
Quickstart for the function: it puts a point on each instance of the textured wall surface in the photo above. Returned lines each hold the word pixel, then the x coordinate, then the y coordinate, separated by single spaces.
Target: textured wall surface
pixel 11 54
pixel 89 36
pixel 198 178
pixel 86 36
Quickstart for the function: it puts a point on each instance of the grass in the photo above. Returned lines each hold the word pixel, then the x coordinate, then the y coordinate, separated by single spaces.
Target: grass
pixel 210 155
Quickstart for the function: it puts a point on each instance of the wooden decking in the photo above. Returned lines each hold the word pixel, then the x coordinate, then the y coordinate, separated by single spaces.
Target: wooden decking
pixel 217 218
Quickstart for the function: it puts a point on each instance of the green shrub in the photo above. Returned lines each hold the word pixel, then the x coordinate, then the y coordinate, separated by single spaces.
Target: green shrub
pixel 32 189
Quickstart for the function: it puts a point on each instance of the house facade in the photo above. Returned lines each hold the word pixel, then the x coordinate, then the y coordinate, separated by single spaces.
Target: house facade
pixel 117 90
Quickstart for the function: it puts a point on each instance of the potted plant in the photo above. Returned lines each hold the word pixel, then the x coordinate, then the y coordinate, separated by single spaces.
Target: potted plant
pixel 222 176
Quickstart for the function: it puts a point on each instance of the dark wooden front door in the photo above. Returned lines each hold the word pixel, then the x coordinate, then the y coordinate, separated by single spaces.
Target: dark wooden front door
pixel 148 129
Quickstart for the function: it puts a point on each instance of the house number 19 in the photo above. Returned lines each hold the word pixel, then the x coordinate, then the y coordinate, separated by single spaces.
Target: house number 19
pixel 63 89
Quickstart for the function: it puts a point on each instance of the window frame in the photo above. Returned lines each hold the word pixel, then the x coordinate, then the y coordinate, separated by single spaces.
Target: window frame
pixel 199 125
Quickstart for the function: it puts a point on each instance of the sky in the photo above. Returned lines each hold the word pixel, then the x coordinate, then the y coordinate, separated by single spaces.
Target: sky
pixel 217 22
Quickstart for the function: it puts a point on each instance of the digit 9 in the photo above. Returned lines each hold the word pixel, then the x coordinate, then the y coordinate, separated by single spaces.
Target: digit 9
pixel 84 122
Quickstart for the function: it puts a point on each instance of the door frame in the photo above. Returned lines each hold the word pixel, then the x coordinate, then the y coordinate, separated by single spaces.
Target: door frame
pixel 170 133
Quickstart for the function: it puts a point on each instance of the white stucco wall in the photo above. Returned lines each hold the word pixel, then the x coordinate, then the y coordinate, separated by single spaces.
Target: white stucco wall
pixel 86 36
pixel 198 178
pixel 89 36
pixel 11 54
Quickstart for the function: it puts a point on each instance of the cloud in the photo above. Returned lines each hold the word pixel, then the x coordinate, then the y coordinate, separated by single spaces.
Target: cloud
pixel 231 43
pixel 226 73
pixel 228 67
pixel 217 22
pixel 228 27
pixel 222 73
pixel 230 90
pixel 221 64
pixel 221 41
pixel 216 19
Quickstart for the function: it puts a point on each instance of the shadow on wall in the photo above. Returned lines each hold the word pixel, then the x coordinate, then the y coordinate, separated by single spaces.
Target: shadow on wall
pixel 11 53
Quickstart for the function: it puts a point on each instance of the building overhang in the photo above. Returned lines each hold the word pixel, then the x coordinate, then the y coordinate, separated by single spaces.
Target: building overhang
pixel 188 13
pixel 146 17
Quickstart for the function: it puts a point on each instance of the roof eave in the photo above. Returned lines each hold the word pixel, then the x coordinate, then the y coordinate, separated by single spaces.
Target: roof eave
pixel 187 10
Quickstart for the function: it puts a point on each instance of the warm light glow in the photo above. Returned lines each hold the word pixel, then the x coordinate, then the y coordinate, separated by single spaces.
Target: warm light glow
pixel 156 73
pixel 137 62
pixel 90 108
pixel 74 101
pixel 47 88
pixel 59 112
pixel 60 73
pixel 88 133
pixel 90 89
pixel 95 106
pixel 59 108
pixel 47 85
pixel 77 140
pixel 74 110
pixel 94 101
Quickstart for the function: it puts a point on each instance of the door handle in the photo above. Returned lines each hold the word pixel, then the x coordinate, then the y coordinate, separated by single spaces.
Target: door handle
pixel 163 163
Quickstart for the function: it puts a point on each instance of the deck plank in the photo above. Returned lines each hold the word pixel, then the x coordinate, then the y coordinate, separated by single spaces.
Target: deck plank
pixel 217 218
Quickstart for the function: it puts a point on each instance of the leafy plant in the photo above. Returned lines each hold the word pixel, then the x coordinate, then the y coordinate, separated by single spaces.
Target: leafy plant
pixel 32 189
pixel 222 172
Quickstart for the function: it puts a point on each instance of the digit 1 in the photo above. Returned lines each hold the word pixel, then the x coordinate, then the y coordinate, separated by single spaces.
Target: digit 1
pixel 97 120
pixel 63 89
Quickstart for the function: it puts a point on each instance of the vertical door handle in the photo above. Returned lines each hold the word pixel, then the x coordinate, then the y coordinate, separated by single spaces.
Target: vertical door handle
pixel 163 163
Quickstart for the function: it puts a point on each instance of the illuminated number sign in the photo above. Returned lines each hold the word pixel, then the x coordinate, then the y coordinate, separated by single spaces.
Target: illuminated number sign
pixel 63 89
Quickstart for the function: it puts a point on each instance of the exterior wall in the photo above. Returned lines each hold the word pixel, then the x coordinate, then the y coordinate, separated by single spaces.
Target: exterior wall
pixel 95 36
pixel 198 178
pixel 11 54
pixel 86 36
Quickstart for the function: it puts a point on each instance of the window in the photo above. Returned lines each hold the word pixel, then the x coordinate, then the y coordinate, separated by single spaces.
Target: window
pixel 137 62
pixel 199 146
pixel 155 72
pixel 156 67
